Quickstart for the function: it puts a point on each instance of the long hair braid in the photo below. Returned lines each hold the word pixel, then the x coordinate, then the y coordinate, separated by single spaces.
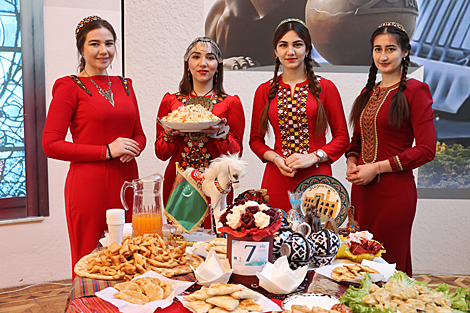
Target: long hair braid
pixel 362 100
pixel 315 89
pixel 399 111
pixel 264 118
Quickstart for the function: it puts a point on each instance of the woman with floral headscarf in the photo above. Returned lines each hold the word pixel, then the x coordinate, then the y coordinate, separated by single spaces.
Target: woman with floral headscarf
pixel 202 83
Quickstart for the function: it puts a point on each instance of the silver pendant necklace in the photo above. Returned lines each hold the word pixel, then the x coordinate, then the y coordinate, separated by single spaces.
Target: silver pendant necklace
pixel 108 94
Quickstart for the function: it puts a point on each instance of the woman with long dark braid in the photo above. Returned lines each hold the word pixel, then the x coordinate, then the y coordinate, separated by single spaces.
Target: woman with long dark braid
pixel 299 106
pixel 387 118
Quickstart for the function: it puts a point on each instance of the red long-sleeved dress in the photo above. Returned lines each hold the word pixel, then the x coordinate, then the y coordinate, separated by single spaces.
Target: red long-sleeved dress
pixel 93 183
pixel 197 149
pixel 293 120
pixel 387 208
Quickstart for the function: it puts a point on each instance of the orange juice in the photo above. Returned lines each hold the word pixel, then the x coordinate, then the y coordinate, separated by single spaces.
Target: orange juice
pixel 146 223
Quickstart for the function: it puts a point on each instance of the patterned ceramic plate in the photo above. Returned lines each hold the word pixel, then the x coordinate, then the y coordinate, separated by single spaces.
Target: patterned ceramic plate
pixel 189 127
pixel 326 193
pixel 310 300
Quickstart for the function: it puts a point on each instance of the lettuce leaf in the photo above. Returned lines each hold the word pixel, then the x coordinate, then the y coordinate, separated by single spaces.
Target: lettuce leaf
pixel 353 297
pixel 401 277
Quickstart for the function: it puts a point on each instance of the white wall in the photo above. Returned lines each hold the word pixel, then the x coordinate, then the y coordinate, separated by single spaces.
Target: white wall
pixel 39 251
pixel 157 34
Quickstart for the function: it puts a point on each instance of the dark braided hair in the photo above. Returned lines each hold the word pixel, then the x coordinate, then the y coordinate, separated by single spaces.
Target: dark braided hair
pixel 313 85
pixel 399 110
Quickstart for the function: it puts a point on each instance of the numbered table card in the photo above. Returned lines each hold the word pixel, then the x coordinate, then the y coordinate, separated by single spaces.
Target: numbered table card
pixel 249 257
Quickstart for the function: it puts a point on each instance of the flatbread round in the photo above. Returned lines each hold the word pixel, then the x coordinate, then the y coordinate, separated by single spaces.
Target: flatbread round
pixel 82 265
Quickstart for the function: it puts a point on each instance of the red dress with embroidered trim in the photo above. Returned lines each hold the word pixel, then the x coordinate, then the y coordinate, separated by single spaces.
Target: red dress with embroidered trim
pixel 93 183
pixel 198 152
pixel 293 122
pixel 387 208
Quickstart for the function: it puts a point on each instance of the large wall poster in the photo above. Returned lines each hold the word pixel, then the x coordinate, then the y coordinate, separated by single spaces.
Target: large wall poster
pixel 440 32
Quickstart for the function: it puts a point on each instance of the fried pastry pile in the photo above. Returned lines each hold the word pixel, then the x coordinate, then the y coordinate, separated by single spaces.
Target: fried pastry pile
pixel 351 271
pixel 222 297
pixel 397 296
pixel 136 256
pixel 143 290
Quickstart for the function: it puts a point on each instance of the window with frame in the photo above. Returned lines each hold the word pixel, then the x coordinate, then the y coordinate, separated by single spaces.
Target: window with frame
pixel 23 165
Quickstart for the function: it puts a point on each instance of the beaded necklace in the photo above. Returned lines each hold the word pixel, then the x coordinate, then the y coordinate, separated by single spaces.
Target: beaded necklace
pixel 108 94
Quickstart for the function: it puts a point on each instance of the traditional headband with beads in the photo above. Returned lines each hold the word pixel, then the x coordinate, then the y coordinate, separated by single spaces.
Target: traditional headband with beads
pixel 85 21
pixel 206 43
pixel 287 20
pixel 394 24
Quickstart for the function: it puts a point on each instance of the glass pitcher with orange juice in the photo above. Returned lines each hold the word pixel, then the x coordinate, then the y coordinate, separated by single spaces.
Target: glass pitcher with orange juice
pixel 147 212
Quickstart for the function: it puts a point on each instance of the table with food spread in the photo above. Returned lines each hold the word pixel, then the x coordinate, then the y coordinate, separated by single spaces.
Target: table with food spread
pixel 256 259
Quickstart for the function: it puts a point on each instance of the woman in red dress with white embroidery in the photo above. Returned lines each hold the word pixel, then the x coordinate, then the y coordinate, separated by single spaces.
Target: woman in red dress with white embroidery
pixel 387 118
pixel 299 106
pixel 202 83
pixel 102 114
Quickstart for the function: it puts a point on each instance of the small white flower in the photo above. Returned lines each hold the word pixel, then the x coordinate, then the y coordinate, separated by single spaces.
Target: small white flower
pixel 263 207
pixel 261 220
pixel 233 220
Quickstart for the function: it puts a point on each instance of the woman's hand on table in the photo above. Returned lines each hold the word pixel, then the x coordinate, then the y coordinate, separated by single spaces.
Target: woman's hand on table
pixel 126 147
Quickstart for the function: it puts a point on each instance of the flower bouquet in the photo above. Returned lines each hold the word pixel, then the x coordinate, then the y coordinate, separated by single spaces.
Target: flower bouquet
pixel 250 219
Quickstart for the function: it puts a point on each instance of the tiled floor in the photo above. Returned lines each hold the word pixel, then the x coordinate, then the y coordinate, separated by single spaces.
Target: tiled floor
pixel 51 298
pixel 48 298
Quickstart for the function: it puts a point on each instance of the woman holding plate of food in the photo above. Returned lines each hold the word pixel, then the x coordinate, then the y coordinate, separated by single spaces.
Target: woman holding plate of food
pixel 102 114
pixel 202 84
pixel 388 117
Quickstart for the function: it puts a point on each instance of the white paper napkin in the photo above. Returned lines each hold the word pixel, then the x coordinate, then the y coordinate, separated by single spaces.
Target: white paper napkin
pixel 198 248
pixel 267 304
pixel 279 278
pixel 126 307
pixel 386 270
pixel 213 270
pixel 127 232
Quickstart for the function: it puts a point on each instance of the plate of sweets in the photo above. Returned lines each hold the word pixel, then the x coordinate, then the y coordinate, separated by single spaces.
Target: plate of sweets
pixel 190 118
pixel 360 246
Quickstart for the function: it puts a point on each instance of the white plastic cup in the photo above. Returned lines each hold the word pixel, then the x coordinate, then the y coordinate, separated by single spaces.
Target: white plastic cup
pixel 115 220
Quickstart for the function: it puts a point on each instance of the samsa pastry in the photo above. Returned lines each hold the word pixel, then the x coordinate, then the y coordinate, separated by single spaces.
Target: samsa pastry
pixel 246 293
pixel 250 305
pixel 200 294
pixel 220 289
pixel 199 306
pixel 225 302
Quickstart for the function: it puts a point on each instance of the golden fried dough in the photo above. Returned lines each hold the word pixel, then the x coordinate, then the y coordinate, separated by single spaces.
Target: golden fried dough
pixel 132 297
pixel 225 302
pixel 199 306
pixel 127 286
pixel 220 289
pixel 250 305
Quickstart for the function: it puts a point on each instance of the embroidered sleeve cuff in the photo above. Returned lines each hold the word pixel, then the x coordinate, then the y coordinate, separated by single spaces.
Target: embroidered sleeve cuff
pixel 396 164
pixel 354 154
pixel 168 138
pixel 222 138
